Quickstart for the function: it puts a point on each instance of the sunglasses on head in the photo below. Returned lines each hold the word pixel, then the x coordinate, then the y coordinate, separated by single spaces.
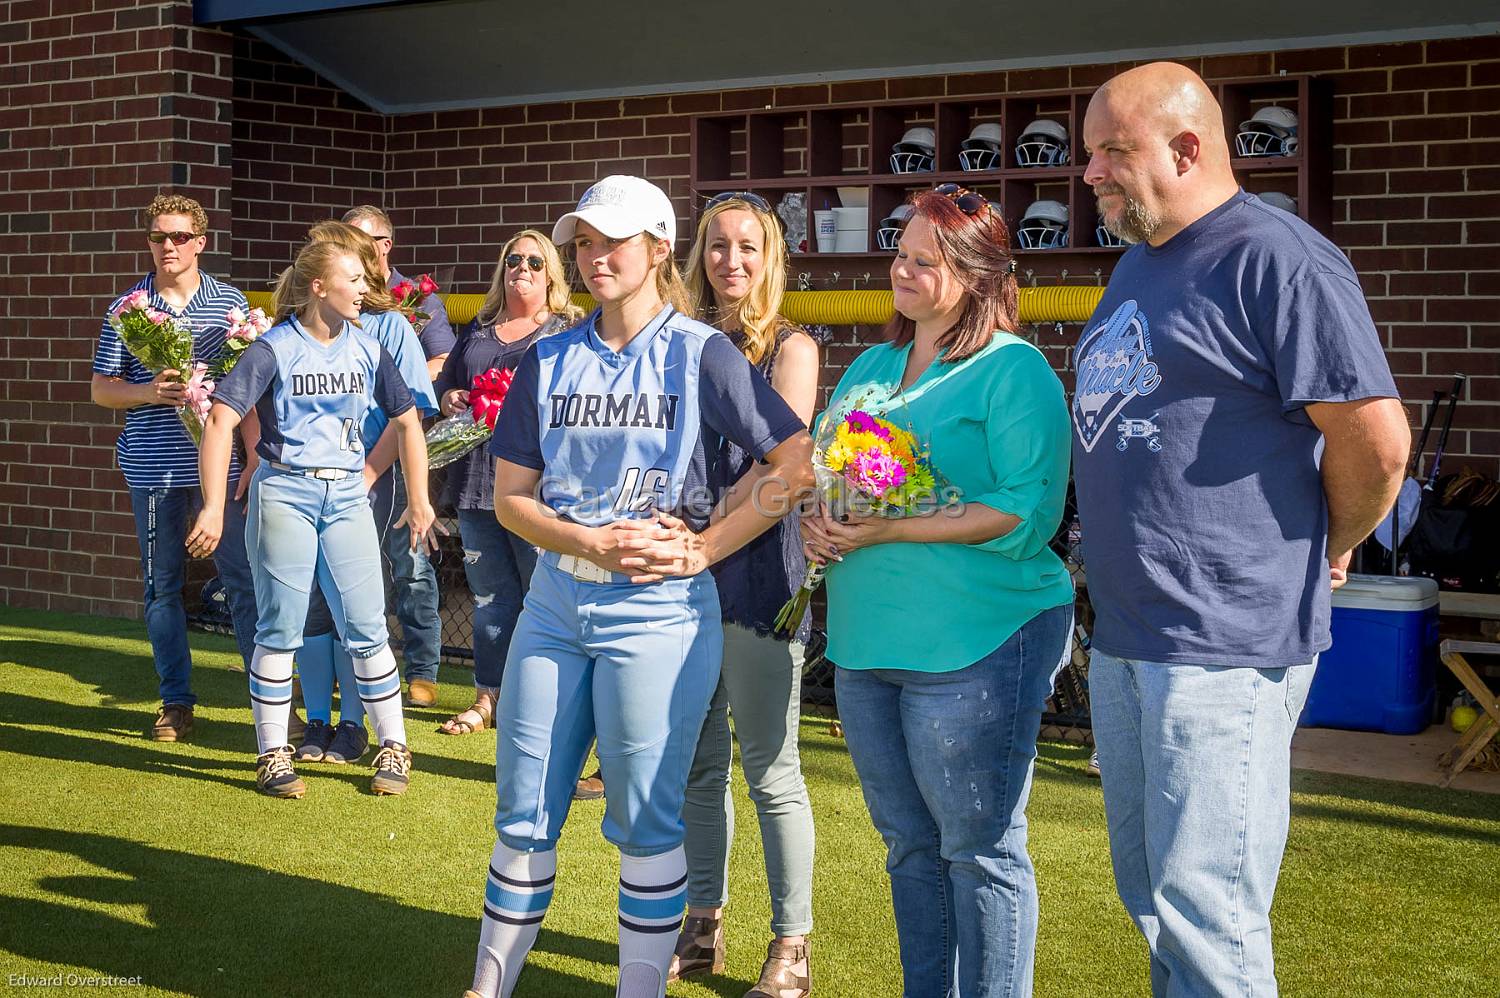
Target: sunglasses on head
pixel 514 260
pixel 753 200
pixel 178 238
pixel 968 202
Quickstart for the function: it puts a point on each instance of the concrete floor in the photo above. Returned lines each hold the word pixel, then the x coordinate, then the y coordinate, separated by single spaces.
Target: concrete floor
pixel 1404 758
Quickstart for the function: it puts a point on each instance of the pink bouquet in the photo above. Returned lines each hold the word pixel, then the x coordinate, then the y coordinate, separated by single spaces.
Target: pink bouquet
pixel 243 330
pixel 160 343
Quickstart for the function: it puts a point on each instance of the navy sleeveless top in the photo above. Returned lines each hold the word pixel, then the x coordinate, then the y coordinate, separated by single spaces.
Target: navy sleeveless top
pixel 757 580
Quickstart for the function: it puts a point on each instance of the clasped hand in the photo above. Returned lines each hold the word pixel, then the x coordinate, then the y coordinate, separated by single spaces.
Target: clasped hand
pixel 826 538
pixel 649 550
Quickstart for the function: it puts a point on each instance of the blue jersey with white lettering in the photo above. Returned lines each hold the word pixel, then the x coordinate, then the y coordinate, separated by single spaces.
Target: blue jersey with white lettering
pixel 616 435
pixel 392 331
pixel 312 398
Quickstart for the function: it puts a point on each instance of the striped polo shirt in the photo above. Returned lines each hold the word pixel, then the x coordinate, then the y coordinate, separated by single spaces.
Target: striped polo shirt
pixel 154 450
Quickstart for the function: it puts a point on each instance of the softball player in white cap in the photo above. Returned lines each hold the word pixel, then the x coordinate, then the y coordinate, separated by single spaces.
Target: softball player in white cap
pixel 311 378
pixel 604 449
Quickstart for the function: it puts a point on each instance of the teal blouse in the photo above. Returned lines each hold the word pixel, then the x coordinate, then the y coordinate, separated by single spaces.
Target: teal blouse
pixel 997 428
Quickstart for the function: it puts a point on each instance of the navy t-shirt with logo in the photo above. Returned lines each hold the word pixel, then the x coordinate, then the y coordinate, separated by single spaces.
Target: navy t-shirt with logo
pixel 1204 519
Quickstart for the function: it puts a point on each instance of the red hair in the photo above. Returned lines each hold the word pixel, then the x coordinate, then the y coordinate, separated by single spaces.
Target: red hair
pixel 976 250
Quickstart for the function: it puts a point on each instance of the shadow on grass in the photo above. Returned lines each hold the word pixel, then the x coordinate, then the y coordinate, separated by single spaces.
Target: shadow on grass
pixel 214 927
pixel 120 677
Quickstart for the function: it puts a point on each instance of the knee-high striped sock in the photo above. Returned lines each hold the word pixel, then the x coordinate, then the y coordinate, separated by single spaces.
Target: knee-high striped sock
pixel 516 896
pixel 315 669
pixel 270 696
pixel 653 894
pixel 380 688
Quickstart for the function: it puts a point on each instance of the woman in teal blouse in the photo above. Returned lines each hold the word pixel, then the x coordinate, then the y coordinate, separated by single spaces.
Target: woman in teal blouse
pixel 947 629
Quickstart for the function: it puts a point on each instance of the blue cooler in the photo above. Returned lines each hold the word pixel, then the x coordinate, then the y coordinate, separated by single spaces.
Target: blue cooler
pixel 1381 672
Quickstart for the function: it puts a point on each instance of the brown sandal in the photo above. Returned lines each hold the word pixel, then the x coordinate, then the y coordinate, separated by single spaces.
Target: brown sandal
pixel 482 706
pixel 699 949
pixel 778 979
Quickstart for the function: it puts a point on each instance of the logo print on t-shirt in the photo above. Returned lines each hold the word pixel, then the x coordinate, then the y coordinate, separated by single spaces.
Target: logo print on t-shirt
pixel 1115 366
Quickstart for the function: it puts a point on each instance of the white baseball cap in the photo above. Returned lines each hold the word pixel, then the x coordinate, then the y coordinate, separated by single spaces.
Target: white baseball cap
pixel 620 206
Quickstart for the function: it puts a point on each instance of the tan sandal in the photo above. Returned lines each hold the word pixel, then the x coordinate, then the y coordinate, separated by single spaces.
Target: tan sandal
pixel 455 725
pixel 779 977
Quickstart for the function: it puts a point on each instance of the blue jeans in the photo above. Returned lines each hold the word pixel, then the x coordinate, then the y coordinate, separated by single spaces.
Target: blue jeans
pixel 1196 764
pixel 162 519
pixel 945 760
pixel 498 566
pixel 412 575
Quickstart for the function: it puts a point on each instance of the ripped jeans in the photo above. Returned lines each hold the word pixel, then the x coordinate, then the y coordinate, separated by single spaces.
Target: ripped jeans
pixel 498 566
pixel 945 762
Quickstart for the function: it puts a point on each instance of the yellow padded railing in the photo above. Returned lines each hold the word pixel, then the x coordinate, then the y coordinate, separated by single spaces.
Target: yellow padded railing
pixel 831 308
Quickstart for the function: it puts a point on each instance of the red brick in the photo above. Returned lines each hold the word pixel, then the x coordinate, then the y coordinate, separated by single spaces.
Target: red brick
pixel 1404 53
pixel 1460 101
pixel 1463 49
pixel 1430 77
pixel 1311 60
pixel 1425 181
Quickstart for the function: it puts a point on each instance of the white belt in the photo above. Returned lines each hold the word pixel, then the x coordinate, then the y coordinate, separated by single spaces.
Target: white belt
pixel 584 570
pixel 326 474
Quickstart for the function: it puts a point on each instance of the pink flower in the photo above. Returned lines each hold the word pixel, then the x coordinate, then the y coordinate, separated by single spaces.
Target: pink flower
pixel 259 320
pixel 875 471
pixel 199 388
pixel 156 317
pixel 403 291
pixel 427 285
pixel 138 299
pixel 235 317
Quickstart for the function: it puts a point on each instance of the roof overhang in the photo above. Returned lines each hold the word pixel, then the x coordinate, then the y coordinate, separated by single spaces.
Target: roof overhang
pixel 400 57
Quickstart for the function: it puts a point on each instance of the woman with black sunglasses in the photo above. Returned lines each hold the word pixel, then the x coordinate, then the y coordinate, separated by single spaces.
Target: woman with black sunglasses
pixel 528 299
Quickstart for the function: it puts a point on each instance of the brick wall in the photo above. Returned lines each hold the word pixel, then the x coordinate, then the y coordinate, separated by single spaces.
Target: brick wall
pixel 103 102
pixel 303 151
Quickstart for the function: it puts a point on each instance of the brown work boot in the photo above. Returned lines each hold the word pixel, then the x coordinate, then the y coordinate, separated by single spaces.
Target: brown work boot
pixel 699 949
pixel 174 722
pixel 421 693
pixel 590 787
pixel 787 972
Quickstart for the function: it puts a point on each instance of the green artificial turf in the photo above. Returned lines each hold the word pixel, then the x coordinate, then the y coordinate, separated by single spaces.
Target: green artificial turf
pixel 129 858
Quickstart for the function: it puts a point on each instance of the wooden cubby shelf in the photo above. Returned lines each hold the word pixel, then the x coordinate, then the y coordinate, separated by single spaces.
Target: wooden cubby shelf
pixel 817 150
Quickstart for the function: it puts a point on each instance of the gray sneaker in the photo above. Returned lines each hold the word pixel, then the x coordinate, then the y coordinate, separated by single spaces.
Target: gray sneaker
pixel 1093 767
pixel 349 743
pixel 392 769
pixel 315 741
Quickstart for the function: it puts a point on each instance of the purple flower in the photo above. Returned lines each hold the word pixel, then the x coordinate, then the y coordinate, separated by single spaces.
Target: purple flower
pixel 862 422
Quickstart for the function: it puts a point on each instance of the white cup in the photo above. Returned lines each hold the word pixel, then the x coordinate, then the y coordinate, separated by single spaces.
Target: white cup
pixel 827 229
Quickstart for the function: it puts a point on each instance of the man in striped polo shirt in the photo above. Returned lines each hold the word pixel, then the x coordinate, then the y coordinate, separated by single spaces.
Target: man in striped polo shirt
pixel 159 460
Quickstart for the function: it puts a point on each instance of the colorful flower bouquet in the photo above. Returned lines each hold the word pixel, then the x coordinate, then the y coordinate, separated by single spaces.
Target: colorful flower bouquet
pixel 161 343
pixel 869 466
pixel 452 438
pixel 408 296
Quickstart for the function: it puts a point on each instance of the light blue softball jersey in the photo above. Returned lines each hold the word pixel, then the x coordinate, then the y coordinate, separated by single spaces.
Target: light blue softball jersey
pixel 616 435
pixel 312 398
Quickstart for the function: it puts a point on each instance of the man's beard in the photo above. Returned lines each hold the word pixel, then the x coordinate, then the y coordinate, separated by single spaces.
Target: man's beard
pixel 1136 223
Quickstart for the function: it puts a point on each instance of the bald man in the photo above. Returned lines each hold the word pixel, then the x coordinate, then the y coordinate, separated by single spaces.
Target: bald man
pixel 1236 433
